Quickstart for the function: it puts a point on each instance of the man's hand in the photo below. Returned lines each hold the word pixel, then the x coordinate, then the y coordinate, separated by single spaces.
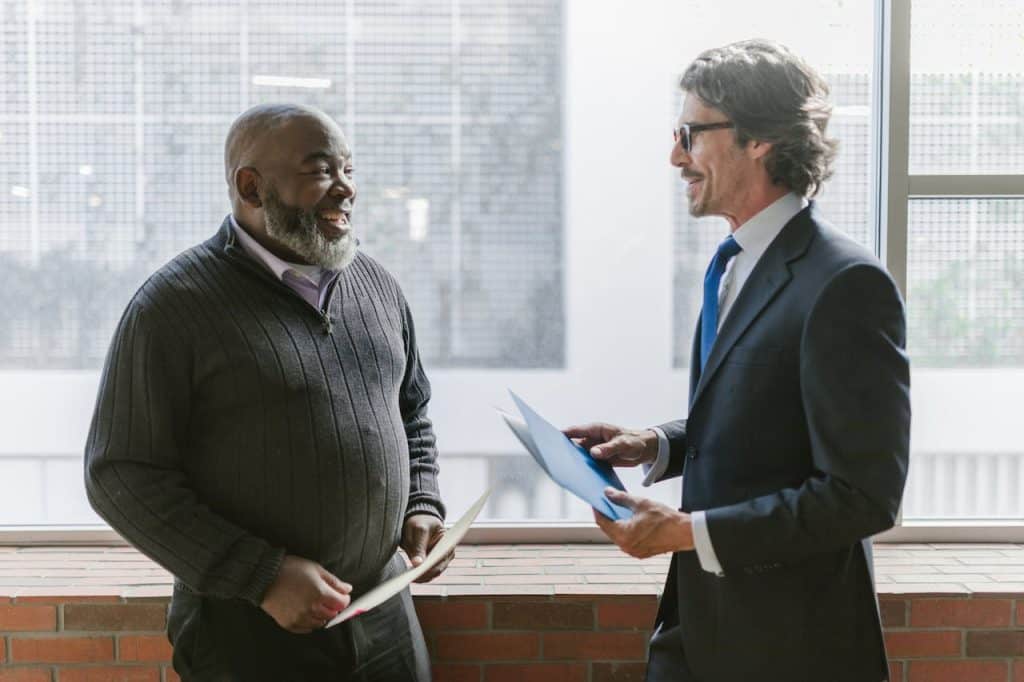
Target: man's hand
pixel 653 529
pixel 613 444
pixel 305 595
pixel 419 535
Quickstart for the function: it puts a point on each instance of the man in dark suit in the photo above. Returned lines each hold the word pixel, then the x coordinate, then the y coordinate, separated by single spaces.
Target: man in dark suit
pixel 795 449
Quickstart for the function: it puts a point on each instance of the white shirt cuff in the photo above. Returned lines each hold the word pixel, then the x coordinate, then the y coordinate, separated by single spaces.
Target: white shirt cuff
pixel 702 542
pixel 652 472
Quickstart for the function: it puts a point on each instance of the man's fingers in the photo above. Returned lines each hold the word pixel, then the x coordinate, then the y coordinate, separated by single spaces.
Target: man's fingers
pixel 320 613
pixel 438 568
pixel 333 600
pixel 416 546
pixel 582 432
pixel 622 498
pixel 606 524
pixel 335 582
pixel 334 594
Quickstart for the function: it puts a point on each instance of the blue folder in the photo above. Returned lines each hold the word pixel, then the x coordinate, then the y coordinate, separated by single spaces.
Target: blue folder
pixel 569 465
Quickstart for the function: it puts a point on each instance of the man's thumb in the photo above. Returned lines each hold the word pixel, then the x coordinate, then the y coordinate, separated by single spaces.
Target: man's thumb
pixel 621 498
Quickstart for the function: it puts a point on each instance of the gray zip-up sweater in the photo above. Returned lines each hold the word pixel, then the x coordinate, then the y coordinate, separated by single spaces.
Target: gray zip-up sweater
pixel 236 423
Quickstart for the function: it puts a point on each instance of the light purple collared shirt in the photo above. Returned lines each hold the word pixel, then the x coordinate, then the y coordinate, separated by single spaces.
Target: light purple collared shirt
pixel 311 282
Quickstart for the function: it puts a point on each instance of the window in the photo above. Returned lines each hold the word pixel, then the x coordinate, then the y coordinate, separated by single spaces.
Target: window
pixel 965 260
pixel 512 157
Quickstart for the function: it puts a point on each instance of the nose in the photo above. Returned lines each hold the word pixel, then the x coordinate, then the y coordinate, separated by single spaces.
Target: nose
pixel 678 157
pixel 343 186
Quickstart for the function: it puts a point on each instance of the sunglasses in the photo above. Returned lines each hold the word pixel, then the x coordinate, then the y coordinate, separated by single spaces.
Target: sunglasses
pixel 684 134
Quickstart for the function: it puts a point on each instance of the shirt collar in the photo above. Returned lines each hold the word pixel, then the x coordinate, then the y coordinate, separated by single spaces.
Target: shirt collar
pixel 279 267
pixel 755 235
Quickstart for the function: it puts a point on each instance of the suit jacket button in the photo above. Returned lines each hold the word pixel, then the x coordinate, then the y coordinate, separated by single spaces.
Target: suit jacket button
pixel 691 452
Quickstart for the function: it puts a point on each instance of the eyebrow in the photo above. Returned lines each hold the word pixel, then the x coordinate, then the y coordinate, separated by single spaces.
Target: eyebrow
pixel 324 156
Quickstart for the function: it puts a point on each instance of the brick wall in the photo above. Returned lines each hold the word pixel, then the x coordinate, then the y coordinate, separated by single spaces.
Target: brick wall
pixel 84 639
pixel 931 638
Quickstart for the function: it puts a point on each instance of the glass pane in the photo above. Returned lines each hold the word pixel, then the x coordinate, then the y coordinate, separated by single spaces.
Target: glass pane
pixel 837 52
pixel 967 76
pixel 966 343
pixel 111 162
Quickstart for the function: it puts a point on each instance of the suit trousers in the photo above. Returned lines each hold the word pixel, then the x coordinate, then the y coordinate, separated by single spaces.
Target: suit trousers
pixel 665 657
pixel 219 640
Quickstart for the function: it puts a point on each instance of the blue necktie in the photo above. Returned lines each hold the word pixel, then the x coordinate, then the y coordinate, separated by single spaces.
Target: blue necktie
pixel 709 314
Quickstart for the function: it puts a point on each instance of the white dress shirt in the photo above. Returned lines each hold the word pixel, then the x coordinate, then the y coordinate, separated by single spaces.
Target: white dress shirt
pixel 754 237
pixel 311 282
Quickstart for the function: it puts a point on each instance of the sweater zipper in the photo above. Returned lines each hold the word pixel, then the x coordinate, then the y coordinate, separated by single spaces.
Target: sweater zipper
pixel 325 316
pixel 325 319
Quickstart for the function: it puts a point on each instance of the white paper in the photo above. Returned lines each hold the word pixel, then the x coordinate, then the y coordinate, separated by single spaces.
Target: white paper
pixel 390 588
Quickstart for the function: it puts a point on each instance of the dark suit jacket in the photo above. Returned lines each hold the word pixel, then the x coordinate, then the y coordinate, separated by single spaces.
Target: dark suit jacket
pixel 796 445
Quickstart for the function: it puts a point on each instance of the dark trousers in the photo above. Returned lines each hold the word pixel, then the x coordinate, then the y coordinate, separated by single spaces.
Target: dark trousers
pixel 666 661
pixel 232 641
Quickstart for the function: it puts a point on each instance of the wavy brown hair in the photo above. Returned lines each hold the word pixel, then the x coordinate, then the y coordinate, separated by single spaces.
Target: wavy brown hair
pixel 773 96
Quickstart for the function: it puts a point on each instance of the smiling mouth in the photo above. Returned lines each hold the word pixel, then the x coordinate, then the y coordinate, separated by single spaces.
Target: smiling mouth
pixel 336 220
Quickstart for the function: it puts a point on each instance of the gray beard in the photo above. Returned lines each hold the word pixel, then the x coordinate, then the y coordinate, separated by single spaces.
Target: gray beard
pixel 296 229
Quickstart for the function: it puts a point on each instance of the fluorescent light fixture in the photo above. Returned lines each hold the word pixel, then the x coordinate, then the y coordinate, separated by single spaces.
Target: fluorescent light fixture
pixel 95 201
pixel 419 218
pixel 291 82
pixel 19 191
pixel 85 169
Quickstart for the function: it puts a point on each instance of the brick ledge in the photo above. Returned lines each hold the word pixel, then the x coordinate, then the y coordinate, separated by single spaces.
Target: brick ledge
pixel 528 570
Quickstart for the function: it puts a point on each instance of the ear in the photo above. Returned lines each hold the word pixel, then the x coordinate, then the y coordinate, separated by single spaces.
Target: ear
pixel 758 149
pixel 247 186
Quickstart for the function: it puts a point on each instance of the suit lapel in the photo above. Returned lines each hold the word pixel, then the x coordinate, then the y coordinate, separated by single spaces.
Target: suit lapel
pixel 769 276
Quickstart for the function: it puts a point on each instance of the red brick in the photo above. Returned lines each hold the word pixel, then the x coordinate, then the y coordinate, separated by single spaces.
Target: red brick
pixel 1020 612
pixel 144 648
pixel 618 672
pixel 633 614
pixel 28 618
pixel 551 615
pixel 894 612
pixel 25 675
pixel 109 674
pixel 487 647
pixel 170 675
pixel 3 649
pixel 895 671
pixel 532 672
pixel 62 649
pixel 437 615
pixel 1018 671
pixel 957 671
pixel 457 672
pixel 919 644
pixel 968 613
pixel 591 646
pixel 982 643
pixel 117 617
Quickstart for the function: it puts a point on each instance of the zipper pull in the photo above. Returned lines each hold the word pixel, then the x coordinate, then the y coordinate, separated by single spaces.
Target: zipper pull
pixel 328 324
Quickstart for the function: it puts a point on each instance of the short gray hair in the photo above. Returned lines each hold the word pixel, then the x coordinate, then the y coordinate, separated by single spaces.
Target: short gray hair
pixel 773 96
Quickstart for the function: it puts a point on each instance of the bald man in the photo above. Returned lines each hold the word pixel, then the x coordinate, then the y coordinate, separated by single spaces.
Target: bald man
pixel 261 427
